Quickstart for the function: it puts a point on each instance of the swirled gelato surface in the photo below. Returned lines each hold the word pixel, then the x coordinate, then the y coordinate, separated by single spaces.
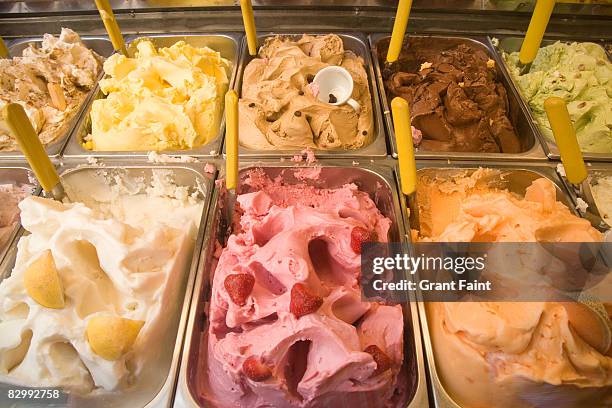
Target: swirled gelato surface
pixel 169 98
pixel 288 327
pixel 580 74
pixel 517 354
pixel 456 98
pixel 62 65
pixel 86 304
pixel 279 108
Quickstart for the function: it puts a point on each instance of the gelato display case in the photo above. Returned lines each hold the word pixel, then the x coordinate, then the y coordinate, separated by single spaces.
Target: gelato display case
pixel 297 348
pixel 33 59
pixel 118 130
pixel 457 131
pixel 124 266
pixel 295 117
pixel 464 341
pixel 151 284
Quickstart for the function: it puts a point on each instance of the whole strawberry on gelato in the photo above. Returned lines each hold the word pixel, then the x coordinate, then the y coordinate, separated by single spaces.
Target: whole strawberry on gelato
pixel 288 327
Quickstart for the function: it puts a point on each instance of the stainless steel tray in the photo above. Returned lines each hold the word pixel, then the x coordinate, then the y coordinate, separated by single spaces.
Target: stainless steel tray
pixel 378 180
pixel 99 44
pixel 225 43
pixel 157 388
pixel 595 170
pixel 518 179
pixel 532 150
pixel 15 174
pixel 355 42
pixel 509 44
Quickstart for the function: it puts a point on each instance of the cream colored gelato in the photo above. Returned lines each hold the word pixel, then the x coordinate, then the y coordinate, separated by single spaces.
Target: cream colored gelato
pixel 161 99
pixel 279 109
pixel 513 354
pixel 50 82
pixel 601 188
pixel 87 303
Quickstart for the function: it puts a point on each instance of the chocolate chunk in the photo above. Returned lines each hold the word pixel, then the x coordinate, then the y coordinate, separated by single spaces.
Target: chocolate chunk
pixel 310 78
pixel 252 105
pixel 365 133
pixel 297 113
pixel 301 93
pixel 332 98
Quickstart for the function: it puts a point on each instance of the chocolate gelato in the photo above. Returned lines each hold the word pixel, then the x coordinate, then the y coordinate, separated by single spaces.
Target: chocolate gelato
pixel 455 98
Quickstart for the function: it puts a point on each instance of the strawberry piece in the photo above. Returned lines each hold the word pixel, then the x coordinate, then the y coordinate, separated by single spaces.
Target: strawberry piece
pixel 383 362
pixel 239 286
pixel 360 235
pixel 303 301
pixel 255 369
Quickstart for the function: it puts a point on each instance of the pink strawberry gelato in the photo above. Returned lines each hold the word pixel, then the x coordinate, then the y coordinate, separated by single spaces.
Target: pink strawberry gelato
pixel 288 327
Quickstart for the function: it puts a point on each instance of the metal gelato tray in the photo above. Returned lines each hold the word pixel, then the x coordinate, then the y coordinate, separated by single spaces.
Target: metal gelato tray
pixel 156 385
pixel 509 44
pixel 375 179
pixel 102 46
pixel 18 175
pixel 530 146
pixel 356 43
pixel 517 178
pixel 596 171
pixel 225 43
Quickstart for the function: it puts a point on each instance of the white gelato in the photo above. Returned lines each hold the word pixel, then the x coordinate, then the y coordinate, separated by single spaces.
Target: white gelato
pixel 122 257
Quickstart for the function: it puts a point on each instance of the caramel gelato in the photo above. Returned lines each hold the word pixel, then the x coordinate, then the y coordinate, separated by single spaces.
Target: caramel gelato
pixel 517 354
pixel 279 108
pixel 50 82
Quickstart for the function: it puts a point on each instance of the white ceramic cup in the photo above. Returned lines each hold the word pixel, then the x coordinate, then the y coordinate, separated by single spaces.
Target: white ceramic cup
pixel 336 81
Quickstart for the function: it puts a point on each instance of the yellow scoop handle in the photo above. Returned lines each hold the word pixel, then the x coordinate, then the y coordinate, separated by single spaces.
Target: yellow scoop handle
pixel 565 135
pixel 110 23
pixel 231 139
pixel 30 145
pixel 405 148
pixel 399 30
pixel 4 53
pixel 535 32
pixel 249 25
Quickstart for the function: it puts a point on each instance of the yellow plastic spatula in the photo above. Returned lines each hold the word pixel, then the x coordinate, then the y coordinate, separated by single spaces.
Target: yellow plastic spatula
pixel 32 148
pixel 535 32
pixel 231 150
pixel 565 136
pixel 4 52
pixel 571 156
pixel 399 30
pixel 110 23
pixel 249 25
pixel 405 156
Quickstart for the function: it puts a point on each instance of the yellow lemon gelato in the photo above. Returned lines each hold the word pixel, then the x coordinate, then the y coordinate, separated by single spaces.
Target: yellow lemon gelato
pixel 161 99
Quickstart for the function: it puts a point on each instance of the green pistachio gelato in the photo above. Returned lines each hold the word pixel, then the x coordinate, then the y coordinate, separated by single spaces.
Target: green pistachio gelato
pixel 581 74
